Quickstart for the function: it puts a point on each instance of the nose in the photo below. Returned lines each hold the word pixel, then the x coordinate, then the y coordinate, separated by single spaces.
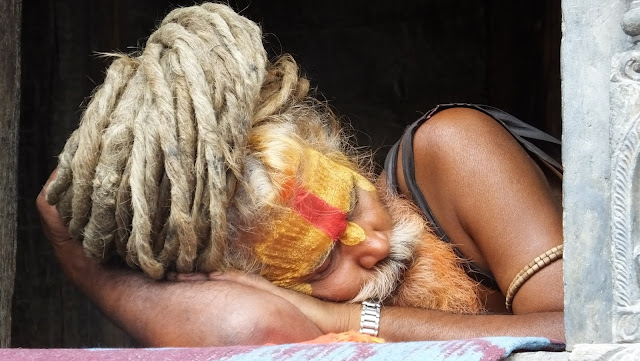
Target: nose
pixel 372 250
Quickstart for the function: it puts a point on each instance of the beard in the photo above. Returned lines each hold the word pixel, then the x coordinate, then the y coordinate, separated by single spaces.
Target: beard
pixel 421 270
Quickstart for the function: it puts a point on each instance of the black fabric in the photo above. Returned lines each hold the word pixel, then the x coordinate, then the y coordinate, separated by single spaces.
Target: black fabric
pixel 531 138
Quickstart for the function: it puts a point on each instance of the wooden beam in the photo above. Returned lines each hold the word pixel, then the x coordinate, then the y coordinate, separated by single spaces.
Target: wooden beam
pixel 10 22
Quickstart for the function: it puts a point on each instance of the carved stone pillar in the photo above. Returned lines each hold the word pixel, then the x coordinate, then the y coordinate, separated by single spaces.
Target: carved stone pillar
pixel 625 183
pixel 601 133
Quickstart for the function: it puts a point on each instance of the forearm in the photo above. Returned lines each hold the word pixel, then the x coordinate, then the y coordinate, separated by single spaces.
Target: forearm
pixel 410 324
pixel 160 313
pixel 403 324
pixel 413 324
pixel 121 294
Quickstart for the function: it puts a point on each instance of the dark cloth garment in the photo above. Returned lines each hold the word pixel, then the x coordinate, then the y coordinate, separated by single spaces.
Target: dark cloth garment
pixel 530 138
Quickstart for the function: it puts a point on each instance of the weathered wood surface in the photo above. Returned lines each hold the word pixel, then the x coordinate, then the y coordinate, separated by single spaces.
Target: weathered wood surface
pixel 10 22
pixel 380 63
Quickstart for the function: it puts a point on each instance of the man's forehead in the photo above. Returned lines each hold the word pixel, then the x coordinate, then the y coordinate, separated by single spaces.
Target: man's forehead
pixel 299 240
pixel 321 172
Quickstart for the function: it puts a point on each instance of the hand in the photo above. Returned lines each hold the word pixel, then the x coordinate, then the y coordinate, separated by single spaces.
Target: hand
pixel 329 317
pixel 70 254
pixel 52 223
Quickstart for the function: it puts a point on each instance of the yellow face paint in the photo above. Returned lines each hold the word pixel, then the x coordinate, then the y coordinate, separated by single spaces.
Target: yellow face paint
pixel 298 241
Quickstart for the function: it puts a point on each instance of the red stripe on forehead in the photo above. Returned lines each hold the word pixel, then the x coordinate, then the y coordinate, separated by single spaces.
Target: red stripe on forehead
pixel 329 219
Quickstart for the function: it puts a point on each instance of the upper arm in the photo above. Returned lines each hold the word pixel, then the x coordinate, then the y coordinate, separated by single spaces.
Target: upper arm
pixel 492 200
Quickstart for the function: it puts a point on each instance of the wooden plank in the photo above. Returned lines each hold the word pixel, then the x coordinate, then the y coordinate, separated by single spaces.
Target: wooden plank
pixel 10 22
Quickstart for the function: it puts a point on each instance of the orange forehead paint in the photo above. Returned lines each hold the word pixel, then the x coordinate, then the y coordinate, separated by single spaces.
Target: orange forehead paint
pixel 298 241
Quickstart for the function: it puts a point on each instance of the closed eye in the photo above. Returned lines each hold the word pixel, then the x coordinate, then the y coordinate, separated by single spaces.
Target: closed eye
pixel 326 267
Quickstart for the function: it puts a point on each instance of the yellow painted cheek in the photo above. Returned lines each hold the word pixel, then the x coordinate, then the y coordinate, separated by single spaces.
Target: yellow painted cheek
pixel 353 235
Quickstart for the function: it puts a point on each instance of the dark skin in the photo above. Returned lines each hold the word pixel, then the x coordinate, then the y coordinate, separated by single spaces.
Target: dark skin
pixel 489 197
pixel 495 204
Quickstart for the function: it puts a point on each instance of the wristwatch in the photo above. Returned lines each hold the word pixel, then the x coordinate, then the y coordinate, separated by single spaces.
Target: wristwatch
pixel 370 318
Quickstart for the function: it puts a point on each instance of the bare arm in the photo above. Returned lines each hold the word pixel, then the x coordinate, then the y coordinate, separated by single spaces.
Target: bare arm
pixel 398 324
pixel 158 313
pixel 492 201
pixel 495 205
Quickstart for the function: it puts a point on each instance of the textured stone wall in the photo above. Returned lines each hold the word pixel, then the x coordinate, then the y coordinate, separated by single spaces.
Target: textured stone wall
pixel 601 113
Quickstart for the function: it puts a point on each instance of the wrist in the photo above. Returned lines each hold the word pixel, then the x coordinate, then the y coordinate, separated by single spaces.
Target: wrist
pixel 71 257
pixel 351 317
pixel 334 317
pixel 80 269
pixel 370 318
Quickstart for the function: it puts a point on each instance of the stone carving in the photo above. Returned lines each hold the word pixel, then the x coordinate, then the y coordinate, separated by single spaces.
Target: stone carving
pixel 625 246
pixel 625 184
pixel 629 67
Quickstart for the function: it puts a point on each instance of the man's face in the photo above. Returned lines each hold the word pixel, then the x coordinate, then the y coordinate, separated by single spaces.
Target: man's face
pixel 364 256
pixel 332 254
pixel 400 260
pixel 373 268
pixel 348 267
pixel 318 202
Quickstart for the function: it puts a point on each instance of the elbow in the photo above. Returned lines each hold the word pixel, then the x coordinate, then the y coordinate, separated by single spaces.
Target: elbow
pixel 279 323
pixel 229 321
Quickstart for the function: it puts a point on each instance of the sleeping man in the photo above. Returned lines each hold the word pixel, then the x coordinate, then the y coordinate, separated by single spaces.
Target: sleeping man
pixel 201 157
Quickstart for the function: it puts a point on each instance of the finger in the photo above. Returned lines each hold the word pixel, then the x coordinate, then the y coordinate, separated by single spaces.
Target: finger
pixel 41 201
pixel 188 277
pixel 231 275
pixel 252 280
pixel 52 177
pixel 248 279
pixel 52 223
pixel 171 276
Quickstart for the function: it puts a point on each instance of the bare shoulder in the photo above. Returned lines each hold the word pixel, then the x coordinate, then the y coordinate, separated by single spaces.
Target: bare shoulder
pixel 462 154
pixel 452 131
pixel 466 145
pixel 490 198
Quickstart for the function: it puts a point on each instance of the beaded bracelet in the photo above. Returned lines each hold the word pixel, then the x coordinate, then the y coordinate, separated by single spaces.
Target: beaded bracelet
pixel 532 268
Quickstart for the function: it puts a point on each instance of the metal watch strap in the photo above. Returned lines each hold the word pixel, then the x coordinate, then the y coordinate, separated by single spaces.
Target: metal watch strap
pixel 370 318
